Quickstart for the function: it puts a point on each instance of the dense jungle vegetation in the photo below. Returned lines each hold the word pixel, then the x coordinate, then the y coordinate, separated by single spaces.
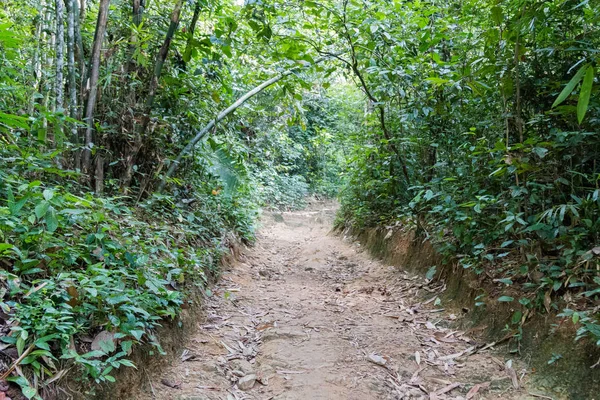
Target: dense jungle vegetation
pixel 140 138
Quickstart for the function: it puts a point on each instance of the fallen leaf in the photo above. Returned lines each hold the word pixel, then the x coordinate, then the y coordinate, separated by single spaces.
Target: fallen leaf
pixel 475 389
pixel 171 384
pixel 377 359
pixel 72 291
pixel 547 300
pixel 418 358
pixel 187 355
pixel 104 341
pixel 513 376
pixel 446 389
pixel 264 326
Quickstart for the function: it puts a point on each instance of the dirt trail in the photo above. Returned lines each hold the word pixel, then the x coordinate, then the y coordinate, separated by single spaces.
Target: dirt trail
pixel 310 316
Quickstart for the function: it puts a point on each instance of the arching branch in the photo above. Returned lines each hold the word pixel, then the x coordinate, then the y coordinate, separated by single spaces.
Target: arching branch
pixel 221 116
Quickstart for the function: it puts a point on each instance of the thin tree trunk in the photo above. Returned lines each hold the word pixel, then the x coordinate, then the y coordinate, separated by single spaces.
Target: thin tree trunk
pixel 381 107
pixel 79 56
pixel 72 76
pixel 187 55
pixel 99 175
pixel 71 71
pixel 44 135
pixel 137 12
pixel 60 54
pixel 202 133
pixel 35 63
pixel 93 84
pixel 160 61
pixel 82 9
pixel 141 131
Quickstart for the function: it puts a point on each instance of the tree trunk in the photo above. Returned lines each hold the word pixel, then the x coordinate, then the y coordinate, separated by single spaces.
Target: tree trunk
pixel 99 175
pixel 141 130
pixel 201 133
pixel 36 66
pixel 93 84
pixel 79 56
pixel 60 55
pixel 160 61
pixel 187 55
pixel 82 7
pixel 137 12
pixel 44 135
pixel 72 76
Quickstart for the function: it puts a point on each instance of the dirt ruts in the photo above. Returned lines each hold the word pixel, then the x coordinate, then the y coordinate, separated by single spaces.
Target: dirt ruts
pixel 306 314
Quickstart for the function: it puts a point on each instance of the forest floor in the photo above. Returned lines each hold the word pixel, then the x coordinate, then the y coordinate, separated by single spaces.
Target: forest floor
pixel 306 314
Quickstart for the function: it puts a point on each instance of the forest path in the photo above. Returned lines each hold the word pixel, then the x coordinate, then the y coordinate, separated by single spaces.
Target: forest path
pixel 305 314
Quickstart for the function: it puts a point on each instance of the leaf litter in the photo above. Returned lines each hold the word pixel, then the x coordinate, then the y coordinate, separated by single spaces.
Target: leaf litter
pixel 327 321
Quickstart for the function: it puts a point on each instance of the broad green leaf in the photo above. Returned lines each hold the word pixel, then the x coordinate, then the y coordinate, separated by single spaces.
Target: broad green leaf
pixel 42 208
pixel 540 151
pixel 107 346
pixel 14 121
pixel 16 207
pixel 48 194
pixel 51 220
pixel 516 318
pixel 4 247
pixel 584 94
pixel 29 392
pixel 570 86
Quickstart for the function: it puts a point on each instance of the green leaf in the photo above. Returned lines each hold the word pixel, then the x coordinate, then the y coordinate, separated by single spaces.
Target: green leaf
pixel 584 94
pixel 127 363
pixel 4 247
pixel 41 209
pixel 505 299
pixel 516 318
pixel 540 151
pixel 51 220
pixel 14 208
pixel 431 272
pixel 14 121
pixel 107 346
pixel 437 81
pixel 136 333
pixel 48 194
pixel 29 392
pixel 570 86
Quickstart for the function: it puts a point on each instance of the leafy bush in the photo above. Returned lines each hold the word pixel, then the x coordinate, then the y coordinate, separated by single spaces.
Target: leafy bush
pixel 76 266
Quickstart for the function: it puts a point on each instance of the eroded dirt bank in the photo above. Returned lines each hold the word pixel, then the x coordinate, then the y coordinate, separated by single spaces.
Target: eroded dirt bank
pixel 307 315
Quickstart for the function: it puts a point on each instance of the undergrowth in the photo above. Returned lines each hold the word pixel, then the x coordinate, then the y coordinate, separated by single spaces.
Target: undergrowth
pixel 86 279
